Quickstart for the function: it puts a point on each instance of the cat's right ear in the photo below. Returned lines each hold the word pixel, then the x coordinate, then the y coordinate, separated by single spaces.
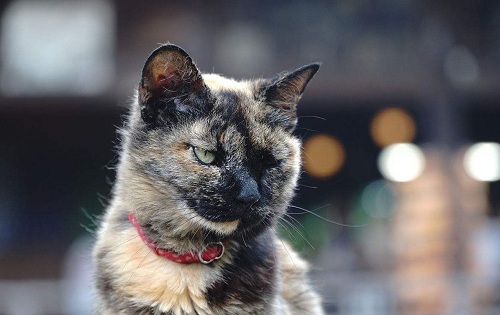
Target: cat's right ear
pixel 170 83
pixel 284 92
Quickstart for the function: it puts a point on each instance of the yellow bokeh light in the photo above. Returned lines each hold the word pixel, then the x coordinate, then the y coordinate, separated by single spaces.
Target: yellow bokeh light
pixel 323 156
pixel 392 125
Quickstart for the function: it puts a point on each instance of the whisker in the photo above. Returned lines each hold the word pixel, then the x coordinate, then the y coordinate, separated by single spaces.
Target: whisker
pixel 298 231
pixel 197 230
pixel 130 258
pixel 140 263
pixel 93 218
pixel 133 238
pixel 307 186
pixel 315 117
pixel 307 129
pixel 243 239
pixel 325 219
pixel 290 234
pixel 103 200
pixel 120 225
pixel 286 249
pixel 90 230
pixel 94 222
pixel 295 220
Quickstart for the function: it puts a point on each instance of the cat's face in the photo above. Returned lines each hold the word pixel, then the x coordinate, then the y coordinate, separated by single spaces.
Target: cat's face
pixel 219 154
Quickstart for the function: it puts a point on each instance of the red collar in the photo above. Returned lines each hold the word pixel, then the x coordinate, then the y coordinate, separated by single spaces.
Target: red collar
pixel 212 251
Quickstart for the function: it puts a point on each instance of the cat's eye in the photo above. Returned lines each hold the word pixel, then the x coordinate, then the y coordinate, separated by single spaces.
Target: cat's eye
pixel 269 161
pixel 204 156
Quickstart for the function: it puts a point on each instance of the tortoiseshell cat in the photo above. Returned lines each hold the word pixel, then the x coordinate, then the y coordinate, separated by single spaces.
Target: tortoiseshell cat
pixel 208 165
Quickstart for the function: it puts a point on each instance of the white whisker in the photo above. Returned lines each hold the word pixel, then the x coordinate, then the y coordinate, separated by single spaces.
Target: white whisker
pixel 298 232
pixel 325 219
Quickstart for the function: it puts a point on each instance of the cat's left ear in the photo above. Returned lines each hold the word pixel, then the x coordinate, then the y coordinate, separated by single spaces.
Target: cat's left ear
pixel 171 83
pixel 284 92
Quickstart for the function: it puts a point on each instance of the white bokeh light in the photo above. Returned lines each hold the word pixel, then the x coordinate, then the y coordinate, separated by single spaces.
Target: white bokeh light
pixel 57 48
pixel 401 162
pixel 482 161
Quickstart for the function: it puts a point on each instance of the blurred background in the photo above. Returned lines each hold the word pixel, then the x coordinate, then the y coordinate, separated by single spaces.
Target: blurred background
pixel 398 207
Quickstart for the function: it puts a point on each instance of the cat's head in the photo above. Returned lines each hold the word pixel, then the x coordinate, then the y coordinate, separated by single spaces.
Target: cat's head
pixel 212 154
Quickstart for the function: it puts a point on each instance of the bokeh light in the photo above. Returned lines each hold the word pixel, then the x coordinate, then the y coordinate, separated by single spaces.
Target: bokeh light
pixel 377 199
pixel 482 161
pixel 77 61
pixel 401 162
pixel 460 66
pixel 392 125
pixel 323 156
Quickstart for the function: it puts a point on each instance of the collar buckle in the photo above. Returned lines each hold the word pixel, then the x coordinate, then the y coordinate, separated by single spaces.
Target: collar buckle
pixel 211 252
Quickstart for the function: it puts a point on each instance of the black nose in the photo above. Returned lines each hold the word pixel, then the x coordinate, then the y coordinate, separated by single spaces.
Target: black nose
pixel 248 193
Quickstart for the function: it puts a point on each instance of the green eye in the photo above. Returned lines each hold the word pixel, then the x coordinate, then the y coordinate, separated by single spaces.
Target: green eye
pixel 204 156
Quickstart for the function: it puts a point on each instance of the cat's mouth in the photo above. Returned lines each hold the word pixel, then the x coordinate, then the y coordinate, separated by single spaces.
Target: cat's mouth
pixel 224 218
pixel 226 213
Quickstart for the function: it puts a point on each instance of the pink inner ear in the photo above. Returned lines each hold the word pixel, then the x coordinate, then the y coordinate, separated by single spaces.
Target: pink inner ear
pixel 168 80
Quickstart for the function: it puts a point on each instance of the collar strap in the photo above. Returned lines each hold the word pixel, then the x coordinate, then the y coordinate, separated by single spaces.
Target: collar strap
pixel 212 251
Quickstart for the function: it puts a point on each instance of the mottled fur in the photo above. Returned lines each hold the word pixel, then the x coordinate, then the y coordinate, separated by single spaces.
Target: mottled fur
pixel 182 204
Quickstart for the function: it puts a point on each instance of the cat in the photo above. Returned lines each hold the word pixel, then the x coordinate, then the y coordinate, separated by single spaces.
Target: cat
pixel 207 167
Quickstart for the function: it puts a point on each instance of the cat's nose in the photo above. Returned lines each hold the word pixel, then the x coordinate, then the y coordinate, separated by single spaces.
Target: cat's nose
pixel 248 190
pixel 249 193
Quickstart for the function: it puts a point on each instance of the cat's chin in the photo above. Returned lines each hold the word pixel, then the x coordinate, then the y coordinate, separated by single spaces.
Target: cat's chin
pixel 223 228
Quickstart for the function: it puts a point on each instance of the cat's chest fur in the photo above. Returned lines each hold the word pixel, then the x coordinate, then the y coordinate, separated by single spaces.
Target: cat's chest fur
pixel 155 283
pixel 241 282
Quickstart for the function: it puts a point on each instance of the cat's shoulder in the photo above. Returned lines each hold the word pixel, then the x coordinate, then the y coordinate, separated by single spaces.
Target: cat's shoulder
pixel 296 291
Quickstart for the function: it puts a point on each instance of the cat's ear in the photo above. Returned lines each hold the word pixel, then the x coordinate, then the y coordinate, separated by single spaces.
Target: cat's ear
pixel 284 92
pixel 170 82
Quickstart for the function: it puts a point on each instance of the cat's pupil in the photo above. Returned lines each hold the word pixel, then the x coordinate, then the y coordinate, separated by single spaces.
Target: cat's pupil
pixel 268 160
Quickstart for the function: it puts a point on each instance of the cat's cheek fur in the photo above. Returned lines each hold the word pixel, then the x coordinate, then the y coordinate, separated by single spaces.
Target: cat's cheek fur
pixel 293 163
pixel 291 171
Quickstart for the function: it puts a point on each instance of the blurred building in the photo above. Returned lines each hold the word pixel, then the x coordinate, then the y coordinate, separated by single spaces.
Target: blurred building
pixel 393 71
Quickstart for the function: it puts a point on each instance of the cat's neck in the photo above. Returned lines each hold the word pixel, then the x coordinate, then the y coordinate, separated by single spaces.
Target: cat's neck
pixel 210 252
